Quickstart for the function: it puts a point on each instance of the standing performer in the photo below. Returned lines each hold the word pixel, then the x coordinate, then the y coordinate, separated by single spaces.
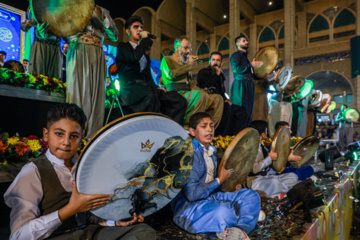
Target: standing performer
pixel 346 130
pixel 45 55
pixel 211 79
pixel 176 77
pixel 242 91
pixel 86 68
pixel 138 92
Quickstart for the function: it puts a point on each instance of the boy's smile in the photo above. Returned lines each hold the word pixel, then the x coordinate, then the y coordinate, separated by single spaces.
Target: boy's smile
pixel 204 132
pixel 64 138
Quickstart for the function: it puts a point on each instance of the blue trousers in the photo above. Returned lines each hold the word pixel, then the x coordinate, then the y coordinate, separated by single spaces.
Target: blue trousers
pixel 220 210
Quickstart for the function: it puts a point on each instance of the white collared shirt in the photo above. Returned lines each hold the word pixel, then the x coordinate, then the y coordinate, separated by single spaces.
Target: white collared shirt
pixel 209 164
pixel 142 61
pixel 24 196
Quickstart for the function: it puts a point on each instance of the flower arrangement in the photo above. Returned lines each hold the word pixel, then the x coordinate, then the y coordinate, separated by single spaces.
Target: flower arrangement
pixel 16 151
pixel 221 143
pixel 27 80
pixel 294 140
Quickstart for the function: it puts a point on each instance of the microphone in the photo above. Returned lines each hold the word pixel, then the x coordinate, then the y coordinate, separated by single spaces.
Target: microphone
pixel 145 34
pixel 151 36
pixel 199 61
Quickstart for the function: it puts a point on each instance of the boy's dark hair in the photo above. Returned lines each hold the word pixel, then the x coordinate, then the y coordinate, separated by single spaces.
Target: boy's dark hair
pixel 216 53
pixel 133 19
pixel 66 110
pixel 25 60
pixel 259 125
pixel 281 124
pixel 196 118
pixel 3 53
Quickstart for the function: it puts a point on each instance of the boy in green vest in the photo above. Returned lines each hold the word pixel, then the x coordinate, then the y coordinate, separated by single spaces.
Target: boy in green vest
pixel 44 199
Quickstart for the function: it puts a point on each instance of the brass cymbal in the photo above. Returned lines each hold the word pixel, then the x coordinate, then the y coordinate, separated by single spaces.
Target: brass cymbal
pixel 294 85
pixel 281 145
pixel 270 58
pixel 240 155
pixel 306 149
pixel 66 17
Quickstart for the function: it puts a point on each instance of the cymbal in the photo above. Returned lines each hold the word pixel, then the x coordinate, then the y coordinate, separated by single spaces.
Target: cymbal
pixel 240 155
pixel 294 85
pixel 66 17
pixel 14 65
pixel 306 149
pixel 270 58
pixel 281 145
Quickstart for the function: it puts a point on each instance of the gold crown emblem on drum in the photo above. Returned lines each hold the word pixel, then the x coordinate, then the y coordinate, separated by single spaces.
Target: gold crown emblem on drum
pixel 147 146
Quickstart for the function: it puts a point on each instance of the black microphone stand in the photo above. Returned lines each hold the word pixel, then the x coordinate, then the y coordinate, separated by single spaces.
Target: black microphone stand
pixel 114 98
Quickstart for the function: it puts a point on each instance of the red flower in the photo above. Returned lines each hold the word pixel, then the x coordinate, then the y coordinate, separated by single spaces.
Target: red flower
pixel 33 137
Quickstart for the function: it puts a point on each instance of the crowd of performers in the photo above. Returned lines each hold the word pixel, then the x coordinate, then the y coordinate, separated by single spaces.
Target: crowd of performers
pixel 44 199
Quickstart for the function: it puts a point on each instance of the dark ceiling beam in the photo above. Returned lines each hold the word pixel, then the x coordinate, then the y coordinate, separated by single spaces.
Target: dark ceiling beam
pixel 299 4
pixel 247 11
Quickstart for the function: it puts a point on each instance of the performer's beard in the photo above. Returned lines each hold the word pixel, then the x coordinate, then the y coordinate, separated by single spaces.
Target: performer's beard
pixel 184 58
pixel 244 47
pixel 213 69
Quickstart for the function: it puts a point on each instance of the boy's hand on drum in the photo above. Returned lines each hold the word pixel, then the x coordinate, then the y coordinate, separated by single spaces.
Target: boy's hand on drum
pixel 137 219
pixel 224 174
pixel 293 157
pixel 82 202
pixel 273 155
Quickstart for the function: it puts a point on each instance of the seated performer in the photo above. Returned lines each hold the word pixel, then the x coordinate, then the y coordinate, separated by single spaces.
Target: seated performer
pixel 176 77
pixel 44 199
pixel 138 92
pixel 45 54
pixel 303 172
pixel 211 79
pixel 262 177
pixel 201 207
pixel 86 68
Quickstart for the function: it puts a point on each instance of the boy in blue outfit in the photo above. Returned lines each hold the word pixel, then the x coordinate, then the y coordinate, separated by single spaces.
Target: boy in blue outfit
pixel 44 199
pixel 201 207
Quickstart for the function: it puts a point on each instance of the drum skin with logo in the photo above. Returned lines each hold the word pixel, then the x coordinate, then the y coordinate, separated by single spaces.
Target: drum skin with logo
pixel 141 160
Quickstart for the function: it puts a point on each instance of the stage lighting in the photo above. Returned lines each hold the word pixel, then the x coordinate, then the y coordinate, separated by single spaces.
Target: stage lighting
pixel 117 84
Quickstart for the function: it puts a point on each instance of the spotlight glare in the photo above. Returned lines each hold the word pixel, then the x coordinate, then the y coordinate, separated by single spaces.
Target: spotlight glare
pixel 270 3
pixel 225 16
